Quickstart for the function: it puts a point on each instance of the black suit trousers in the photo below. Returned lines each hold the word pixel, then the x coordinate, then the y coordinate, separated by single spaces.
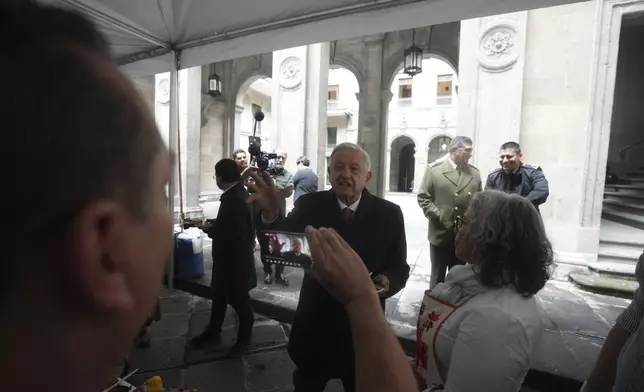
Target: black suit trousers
pixel 239 298
pixel 305 381
pixel 442 259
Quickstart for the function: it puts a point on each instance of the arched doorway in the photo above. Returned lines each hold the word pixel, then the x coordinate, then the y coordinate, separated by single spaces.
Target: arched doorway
pixel 402 167
pixel 254 94
pixel 438 148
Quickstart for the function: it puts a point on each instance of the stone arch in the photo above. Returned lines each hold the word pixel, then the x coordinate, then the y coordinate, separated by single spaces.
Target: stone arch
pixel 245 82
pixel 350 63
pixel 241 116
pixel 393 138
pixel 434 147
pixel 402 164
pixel 395 63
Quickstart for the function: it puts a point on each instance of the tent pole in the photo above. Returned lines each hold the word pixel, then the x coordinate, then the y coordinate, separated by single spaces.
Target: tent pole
pixel 172 147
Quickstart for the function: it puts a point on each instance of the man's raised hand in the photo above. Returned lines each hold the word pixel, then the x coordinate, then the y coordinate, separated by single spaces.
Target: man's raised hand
pixel 265 194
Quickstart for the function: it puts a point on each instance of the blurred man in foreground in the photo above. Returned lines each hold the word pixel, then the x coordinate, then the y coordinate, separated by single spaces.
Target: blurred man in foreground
pixel 82 270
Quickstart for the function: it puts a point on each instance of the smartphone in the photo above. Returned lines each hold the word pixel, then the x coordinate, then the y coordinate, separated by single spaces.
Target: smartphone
pixel 290 249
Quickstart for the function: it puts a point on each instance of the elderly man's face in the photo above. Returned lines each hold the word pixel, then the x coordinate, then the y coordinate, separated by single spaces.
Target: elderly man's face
pixel 297 246
pixel 280 160
pixel 461 155
pixel 349 174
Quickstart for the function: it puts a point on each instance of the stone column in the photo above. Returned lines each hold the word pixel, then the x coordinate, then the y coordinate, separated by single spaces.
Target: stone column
pixel 288 101
pixel 491 83
pixel 372 126
pixel 212 134
pixel 387 167
pixel 190 137
pixel 317 72
pixel 236 125
pixel 299 101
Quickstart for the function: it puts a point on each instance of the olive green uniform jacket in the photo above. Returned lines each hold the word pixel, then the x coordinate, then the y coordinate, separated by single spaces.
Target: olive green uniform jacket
pixel 444 195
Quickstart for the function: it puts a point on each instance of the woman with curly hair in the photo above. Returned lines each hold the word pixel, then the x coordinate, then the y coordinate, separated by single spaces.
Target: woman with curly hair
pixel 478 331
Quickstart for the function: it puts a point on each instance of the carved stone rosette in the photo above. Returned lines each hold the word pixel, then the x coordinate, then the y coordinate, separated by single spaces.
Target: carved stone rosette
pixel 163 91
pixel 498 47
pixel 291 73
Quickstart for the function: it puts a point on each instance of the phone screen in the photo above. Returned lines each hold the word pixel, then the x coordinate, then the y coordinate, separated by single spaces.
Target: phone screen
pixel 291 249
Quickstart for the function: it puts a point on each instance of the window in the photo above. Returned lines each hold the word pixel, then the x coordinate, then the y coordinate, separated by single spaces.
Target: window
pixel 331 137
pixel 444 89
pixel 254 109
pixel 404 88
pixel 333 93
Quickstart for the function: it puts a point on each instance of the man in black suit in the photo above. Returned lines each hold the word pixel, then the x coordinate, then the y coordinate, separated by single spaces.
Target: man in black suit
pixel 320 344
pixel 295 255
pixel 233 258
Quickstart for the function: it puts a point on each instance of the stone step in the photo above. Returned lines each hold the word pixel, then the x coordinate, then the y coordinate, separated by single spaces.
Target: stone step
pixel 597 283
pixel 630 195
pixel 636 179
pixel 614 268
pixel 615 233
pixel 626 218
pixel 638 187
pixel 620 251
pixel 625 205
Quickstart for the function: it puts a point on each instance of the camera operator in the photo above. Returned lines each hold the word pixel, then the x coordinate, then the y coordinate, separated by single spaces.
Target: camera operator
pixel 284 183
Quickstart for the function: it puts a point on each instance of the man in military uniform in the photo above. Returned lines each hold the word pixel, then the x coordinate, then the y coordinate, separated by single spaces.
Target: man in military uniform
pixel 444 195
pixel 515 176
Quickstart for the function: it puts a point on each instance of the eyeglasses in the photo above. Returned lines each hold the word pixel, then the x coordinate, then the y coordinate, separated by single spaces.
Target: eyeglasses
pixel 459 221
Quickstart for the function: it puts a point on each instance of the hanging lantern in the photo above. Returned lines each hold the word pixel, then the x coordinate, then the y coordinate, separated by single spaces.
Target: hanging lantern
pixel 214 85
pixel 413 61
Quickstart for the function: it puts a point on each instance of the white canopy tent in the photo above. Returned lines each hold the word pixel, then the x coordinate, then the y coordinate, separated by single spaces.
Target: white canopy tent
pixel 154 36
pixel 143 33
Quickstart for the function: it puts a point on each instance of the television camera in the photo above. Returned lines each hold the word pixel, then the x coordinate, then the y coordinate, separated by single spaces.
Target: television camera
pixel 258 158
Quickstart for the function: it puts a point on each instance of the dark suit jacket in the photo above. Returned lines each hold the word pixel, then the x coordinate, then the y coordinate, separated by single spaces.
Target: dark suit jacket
pixel 320 338
pixel 233 242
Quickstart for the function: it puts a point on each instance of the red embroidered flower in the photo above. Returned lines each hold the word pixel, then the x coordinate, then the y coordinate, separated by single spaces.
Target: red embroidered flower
pixel 434 317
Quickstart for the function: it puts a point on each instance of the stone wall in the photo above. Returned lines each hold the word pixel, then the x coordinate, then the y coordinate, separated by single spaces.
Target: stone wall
pixel 526 77
pixel 555 111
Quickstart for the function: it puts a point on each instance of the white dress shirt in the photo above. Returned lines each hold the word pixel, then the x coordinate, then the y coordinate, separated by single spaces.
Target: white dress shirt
pixel 488 343
pixel 353 207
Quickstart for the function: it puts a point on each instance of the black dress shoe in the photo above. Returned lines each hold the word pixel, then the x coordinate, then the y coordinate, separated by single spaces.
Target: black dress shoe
pixel 238 349
pixel 207 338
pixel 281 279
pixel 268 279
